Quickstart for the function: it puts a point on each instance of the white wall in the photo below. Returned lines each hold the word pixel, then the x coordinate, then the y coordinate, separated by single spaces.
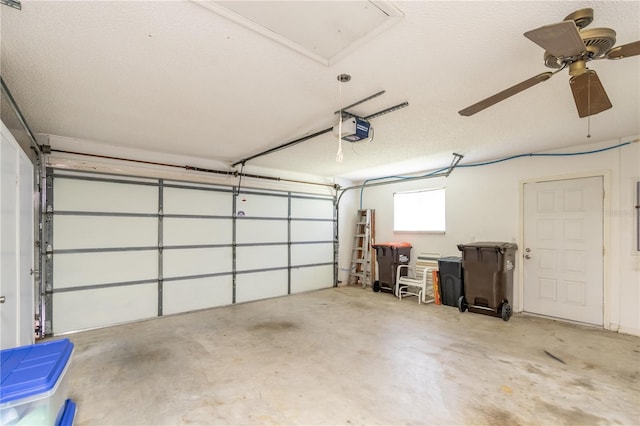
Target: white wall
pixel 484 204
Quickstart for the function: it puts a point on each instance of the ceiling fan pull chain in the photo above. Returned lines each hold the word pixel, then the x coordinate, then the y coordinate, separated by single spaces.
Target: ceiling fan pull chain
pixel 339 155
pixel 588 105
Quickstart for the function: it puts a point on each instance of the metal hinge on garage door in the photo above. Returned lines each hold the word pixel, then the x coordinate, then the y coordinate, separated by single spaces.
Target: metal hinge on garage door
pixel 46 254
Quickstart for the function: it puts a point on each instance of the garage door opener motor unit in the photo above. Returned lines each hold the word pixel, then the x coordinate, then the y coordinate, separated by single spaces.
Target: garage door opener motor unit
pixel 354 129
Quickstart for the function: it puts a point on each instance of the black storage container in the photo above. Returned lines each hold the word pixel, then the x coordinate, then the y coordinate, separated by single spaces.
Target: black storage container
pixel 389 256
pixel 488 277
pixel 451 282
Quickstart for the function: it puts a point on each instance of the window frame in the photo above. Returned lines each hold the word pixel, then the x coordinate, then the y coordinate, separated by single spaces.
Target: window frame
pixel 423 230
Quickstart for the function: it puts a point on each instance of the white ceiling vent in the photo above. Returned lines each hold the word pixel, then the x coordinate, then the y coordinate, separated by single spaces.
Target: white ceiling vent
pixel 321 30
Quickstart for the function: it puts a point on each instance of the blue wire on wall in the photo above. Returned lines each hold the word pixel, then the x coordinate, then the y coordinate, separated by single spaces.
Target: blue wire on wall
pixel 487 163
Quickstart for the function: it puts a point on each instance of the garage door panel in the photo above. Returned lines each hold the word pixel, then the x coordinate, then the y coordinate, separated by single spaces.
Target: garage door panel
pixel 197 202
pixel 311 231
pixel 311 278
pixel 81 269
pixel 80 310
pixel 106 234
pixel 95 196
pixel 189 295
pixel 304 254
pixel 261 257
pixel 310 208
pixel 261 285
pixel 197 261
pixel 196 231
pixel 261 231
pixel 253 205
pixel 78 232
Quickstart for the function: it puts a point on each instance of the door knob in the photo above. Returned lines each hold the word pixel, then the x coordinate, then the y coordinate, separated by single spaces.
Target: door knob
pixel 2 299
pixel 526 256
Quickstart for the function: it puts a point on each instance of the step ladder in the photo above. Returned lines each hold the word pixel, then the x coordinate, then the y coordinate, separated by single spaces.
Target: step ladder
pixel 362 257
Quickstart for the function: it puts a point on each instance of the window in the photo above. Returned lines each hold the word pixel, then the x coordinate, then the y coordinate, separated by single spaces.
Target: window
pixel 419 211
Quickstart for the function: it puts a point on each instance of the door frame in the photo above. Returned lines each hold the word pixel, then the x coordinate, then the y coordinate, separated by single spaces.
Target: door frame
pixel 24 308
pixel 606 260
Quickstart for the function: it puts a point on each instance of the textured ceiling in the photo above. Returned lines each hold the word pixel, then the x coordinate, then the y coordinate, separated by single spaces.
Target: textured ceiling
pixel 173 77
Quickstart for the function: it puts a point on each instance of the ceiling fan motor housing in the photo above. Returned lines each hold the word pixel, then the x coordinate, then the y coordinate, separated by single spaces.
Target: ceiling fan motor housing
pixel 597 42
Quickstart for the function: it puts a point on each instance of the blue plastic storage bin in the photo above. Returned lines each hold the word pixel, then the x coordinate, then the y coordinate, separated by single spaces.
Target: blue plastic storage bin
pixel 34 384
pixel 67 414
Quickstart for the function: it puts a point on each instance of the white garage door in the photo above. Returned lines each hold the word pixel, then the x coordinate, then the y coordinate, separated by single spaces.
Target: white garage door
pixel 122 249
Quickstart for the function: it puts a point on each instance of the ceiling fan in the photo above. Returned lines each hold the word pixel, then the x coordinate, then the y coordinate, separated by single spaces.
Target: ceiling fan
pixel 568 44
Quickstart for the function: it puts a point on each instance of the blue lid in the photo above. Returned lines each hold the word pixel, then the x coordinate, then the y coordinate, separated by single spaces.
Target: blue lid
pixel 31 370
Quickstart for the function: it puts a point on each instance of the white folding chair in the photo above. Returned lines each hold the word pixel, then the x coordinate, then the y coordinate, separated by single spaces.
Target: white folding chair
pixel 418 280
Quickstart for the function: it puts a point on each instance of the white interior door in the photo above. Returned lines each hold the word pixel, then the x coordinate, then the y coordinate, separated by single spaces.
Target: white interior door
pixel 16 244
pixel 563 246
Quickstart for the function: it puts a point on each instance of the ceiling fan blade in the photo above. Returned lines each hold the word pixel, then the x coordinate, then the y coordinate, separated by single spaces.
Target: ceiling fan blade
pixel 589 94
pixel 624 51
pixel 513 90
pixel 562 40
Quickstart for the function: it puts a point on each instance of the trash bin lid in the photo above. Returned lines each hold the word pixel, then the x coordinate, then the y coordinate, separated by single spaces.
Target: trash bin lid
pixel 450 259
pixel 498 246
pixel 396 244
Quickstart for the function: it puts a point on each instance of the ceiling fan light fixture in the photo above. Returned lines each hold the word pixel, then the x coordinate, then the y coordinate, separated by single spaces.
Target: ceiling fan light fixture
pixel 577 68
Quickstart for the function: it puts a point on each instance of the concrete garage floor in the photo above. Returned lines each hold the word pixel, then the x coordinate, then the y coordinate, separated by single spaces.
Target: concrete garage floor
pixel 351 356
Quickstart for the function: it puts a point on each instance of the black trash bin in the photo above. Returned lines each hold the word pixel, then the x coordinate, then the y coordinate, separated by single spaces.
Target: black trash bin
pixel 451 282
pixel 389 257
pixel 488 278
